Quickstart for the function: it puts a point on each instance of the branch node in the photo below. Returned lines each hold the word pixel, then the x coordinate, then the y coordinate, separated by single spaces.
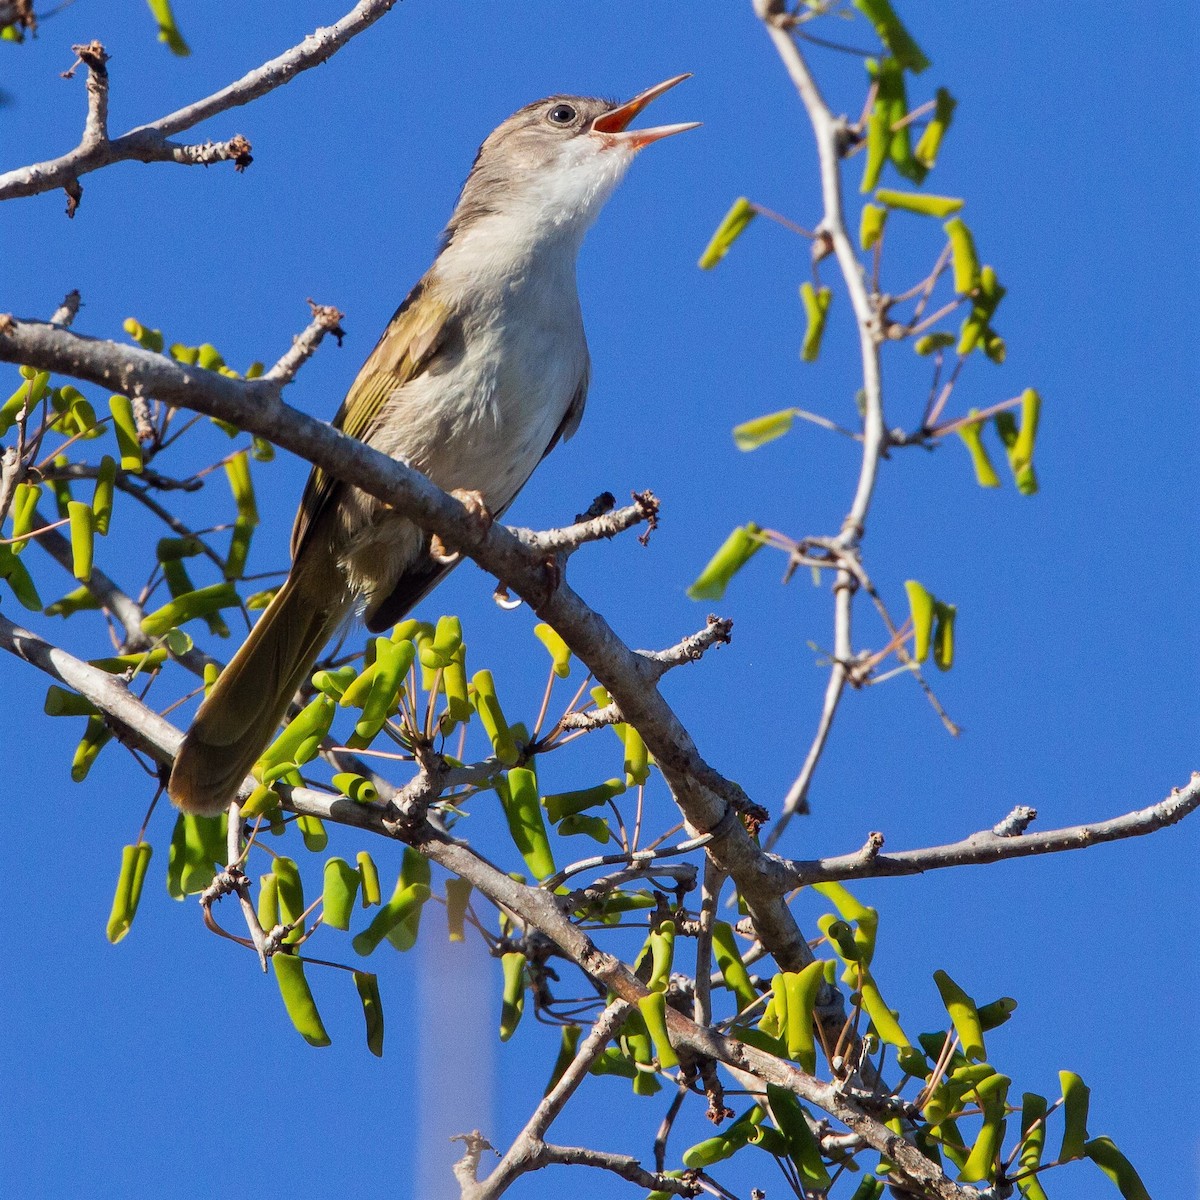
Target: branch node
pixel 603 503
pixel 716 632
pixel 239 150
pixel 91 55
pixel 74 190
pixel 1017 821
pixel 65 313
pixel 647 503
pixel 325 320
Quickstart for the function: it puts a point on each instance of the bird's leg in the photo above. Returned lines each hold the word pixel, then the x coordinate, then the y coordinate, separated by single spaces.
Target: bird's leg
pixel 480 515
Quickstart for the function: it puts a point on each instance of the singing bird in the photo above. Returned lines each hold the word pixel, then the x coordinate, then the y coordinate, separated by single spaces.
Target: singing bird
pixel 478 376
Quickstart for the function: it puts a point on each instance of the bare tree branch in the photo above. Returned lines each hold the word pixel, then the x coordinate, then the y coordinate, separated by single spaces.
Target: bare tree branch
pixel 607 524
pixel 988 846
pixel 620 1164
pixel 525 1152
pixel 830 134
pixel 711 804
pixel 141 727
pixel 325 319
pixel 150 142
pixel 68 310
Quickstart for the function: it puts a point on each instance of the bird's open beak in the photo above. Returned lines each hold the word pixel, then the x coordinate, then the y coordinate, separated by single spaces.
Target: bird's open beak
pixel 612 126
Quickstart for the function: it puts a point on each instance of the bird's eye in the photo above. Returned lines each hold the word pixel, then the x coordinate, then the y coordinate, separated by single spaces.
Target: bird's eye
pixel 561 114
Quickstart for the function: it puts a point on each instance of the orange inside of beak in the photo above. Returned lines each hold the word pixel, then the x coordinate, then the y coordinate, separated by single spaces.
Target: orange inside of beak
pixel 618 119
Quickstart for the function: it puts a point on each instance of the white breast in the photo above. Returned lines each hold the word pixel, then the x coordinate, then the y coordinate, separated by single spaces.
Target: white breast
pixel 483 417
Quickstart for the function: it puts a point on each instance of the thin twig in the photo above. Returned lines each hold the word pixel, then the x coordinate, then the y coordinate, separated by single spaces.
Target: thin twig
pixel 988 846
pixel 150 142
pixel 829 132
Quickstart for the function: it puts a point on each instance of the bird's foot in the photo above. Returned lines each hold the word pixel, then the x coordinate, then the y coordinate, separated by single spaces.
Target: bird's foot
pixel 480 516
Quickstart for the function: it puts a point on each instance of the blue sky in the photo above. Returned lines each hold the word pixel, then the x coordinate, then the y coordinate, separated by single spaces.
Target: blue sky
pixel 164 1065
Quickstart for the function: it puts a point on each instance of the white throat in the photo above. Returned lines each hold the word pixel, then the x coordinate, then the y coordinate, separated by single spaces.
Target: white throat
pixel 533 222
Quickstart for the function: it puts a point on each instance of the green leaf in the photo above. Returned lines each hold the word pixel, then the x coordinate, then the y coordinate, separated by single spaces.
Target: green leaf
pixel 943 634
pixel 930 142
pixel 993 1015
pixel 414 869
pixel 1076 1100
pixel 596 828
pixel 963 1014
pixel 562 805
pixel 802 987
pixel 61 702
pixel 458 894
pixel 920 604
pixel 437 653
pixel 487 705
pixel 963 256
pixel 125 428
pixel 148 339
pixel 1104 1153
pixel 803 1148
pixel 368 993
pixel 981 1162
pixel 654 1012
pixel 513 1001
pixel 732 226
pixel 13 570
pixel 200 603
pixel 890 114
pixel 518 794
pixel 558 650
pixel 134 861
pixel 816 308
pixel 921 203
pixel 168 31
pixel 972 437
pixel 1033 1139
pixel 850 908
pixel 893 35
pixel 566 1055
pixel 31 391
pixel 930 343
pixel 371 893
pixel 735 552
pixel 298 999
pixel 96 736
pixel 397 909
pixel 751 434
pixel 340 892
pixel 729 962
pixel 870 225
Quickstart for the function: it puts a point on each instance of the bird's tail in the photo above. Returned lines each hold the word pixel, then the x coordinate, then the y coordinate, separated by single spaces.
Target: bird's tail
pixel 237 720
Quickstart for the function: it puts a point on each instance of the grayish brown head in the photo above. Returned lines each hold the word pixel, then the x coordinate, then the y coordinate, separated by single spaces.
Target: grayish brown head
pixel 554 163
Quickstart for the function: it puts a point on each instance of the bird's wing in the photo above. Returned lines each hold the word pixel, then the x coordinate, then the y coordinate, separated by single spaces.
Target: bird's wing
pixel 421 576
pixel 410 343
pixel 574 414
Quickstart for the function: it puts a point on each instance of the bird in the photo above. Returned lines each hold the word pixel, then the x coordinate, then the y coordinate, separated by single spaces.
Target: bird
pixel 480 373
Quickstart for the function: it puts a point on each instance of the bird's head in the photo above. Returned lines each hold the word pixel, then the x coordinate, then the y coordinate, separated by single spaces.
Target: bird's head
pixel 554 163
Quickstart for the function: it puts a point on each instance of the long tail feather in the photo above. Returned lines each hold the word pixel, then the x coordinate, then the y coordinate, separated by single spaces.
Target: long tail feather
pixel 238 718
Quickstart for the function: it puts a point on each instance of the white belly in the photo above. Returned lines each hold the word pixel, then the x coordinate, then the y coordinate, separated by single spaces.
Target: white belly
pixel 479 419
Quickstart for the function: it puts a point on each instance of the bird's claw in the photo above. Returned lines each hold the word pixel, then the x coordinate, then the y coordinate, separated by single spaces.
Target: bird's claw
pixel 481 518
